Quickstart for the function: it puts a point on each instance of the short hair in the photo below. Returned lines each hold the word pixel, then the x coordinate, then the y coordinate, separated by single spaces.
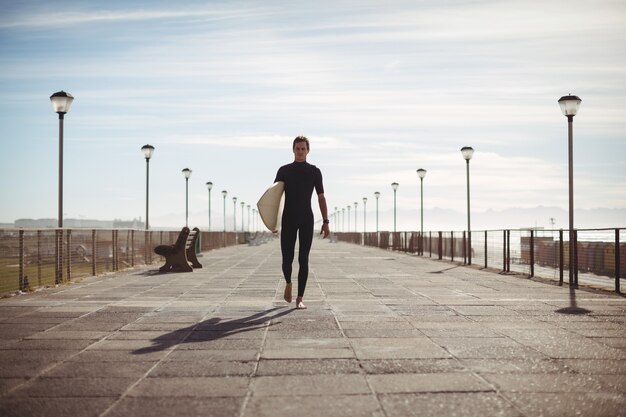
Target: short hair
pixel 301 139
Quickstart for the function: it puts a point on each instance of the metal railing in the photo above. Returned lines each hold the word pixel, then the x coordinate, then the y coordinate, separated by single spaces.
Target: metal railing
pixel 47 257
pixel 599 255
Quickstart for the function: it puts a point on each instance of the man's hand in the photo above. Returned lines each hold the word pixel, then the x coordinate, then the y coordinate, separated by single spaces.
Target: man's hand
pixel 325 230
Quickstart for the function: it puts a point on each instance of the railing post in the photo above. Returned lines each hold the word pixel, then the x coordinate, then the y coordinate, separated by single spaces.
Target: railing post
pixel 485 249
pixel 58 263
pixel 132 248
pixel 504 251
pixel 575 263
pixel 20 244
pixel 69 255
pixel 532 253
pixel 113 250
pixel 617 262
pixel 440 243
pixel 452 245
pixel 561 257
pixel 39 258
pixel 508 251
pixel 93 252
pixel 430 244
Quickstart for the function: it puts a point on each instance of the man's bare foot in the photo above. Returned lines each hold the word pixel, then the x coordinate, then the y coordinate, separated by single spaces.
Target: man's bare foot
pixel 299 304
pixel 287 294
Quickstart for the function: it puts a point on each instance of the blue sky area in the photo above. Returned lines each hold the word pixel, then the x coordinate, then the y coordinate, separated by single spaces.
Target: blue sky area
pixel 380 88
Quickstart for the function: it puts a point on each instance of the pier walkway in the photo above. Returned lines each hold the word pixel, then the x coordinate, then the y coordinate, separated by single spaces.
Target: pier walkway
pixel 385 334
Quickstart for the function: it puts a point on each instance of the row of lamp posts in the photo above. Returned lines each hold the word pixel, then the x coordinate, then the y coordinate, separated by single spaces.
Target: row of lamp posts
pixel 62 101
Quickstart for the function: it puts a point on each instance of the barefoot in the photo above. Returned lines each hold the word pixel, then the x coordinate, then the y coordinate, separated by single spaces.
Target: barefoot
pixel 299 304
pixel 287 294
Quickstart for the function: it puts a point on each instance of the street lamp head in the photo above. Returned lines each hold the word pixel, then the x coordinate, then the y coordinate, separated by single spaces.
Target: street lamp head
pixel 376 194
pixel 147 150
pixel 209 185
pixel 355 204
pixel 224 193
pixel 187 173
pixel 569 105
pixel 235 200
pixel 61 102
pixel 421 173
pixel 364 200
pixel 243 204
pixel 467 152
pixel 395 185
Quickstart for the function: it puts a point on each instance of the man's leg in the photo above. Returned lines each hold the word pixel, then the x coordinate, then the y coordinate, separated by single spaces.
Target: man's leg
pixel 287 247
pixel 305 240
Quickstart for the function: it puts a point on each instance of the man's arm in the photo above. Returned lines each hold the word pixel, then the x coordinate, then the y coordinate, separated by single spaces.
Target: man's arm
pixel 324 210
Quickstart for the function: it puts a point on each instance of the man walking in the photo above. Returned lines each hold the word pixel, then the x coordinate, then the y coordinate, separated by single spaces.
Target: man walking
pixel 300 179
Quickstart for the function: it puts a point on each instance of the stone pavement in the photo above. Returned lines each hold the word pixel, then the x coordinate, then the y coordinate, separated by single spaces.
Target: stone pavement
pixel 385 334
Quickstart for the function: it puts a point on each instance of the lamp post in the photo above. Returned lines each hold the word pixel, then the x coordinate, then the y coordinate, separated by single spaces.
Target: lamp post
pixel 187 174
pixel 343 219
pixel 147 150
pixel 364 215
pixel 377 195
pixel 349 207
pixel 243 204
pixel 421 173
pixel 61 103
pixel 235 214
pixel 224 194
pixel 209 185
pixel 569 106
pixel 248 207
pixel 395 186
pixel 468 152
pixel 355 217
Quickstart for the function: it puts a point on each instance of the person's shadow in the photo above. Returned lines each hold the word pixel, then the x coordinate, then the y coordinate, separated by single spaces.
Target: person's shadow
pixel 213 329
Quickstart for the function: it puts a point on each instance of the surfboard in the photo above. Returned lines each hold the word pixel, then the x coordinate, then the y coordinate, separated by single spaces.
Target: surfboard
pixel 270 206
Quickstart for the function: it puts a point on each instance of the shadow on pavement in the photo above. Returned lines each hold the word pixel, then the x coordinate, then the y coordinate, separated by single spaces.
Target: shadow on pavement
pixel 213 329
pixel 573 307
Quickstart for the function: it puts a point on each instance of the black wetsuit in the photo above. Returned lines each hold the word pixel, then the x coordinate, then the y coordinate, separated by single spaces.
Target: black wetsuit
pixel 300 179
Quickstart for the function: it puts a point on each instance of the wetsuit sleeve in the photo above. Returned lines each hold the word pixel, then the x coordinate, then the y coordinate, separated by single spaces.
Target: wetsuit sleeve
pixel 319 186
pixel 280 175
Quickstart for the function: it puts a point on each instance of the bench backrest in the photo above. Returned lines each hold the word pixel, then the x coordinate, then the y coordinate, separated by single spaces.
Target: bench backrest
pixel 182 238
pixel 191 238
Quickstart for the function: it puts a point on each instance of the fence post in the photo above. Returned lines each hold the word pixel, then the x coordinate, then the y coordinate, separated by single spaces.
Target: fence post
pixel 617 261
pixel 575 263
pixel 532 253
pixel 69 254
pixel 58 263
pixel 440 243
pixel 39 258
pixel 20 244
pixel 561 257
pixel 430 244
pixel 132 248
pixel 508 251
pixel 452 246
pixel 504 251
pixel 485 249
pixel 93 252
pixel 113 250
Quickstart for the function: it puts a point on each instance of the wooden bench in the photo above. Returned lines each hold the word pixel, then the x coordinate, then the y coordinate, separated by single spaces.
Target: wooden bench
pixel 179 255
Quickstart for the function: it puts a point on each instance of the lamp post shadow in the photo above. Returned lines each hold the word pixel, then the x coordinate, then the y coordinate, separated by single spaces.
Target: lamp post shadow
pixel 573 307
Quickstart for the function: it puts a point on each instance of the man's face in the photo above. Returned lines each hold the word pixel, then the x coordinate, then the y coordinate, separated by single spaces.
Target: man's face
pixel 300 152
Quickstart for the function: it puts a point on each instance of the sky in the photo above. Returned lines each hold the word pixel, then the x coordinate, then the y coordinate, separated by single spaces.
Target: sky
pixel 380 89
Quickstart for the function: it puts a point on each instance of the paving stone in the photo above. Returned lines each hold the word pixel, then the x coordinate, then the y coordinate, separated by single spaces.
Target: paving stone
pixel 447 404
pixel 545 382
pixel 397 348
pixel 198 387
pixel 47 407
pixel 74 387
pixel 569 404
pixel 76 369
pixel 314 406
pixel 269 367
pixel 294 385
pixel 412 366
pixel 202 368
pixel 177 406
pixel 448 382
